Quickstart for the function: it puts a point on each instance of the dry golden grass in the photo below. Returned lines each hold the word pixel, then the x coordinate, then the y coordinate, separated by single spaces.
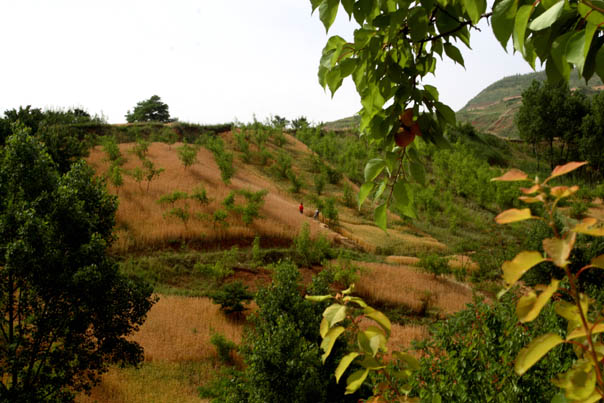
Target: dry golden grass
pixel 141 225
pixel 140 221
pixel 156 382
pixel 394 240
pixel 404 260
pixel 178 354
pixel 179 329
pixel 403 285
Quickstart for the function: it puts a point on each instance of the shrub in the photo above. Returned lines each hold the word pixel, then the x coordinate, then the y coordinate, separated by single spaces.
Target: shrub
pixel 470 357
pixel 224 348
pixel 231 297
pixel 333 176
pixel 308 252
pixel 281 350
pixel 295 181
pixel 256 252
pixel 187 155
pixel 282 165
pixel 435 264
pixel 319 181
pixel 330 211
pixel 348 197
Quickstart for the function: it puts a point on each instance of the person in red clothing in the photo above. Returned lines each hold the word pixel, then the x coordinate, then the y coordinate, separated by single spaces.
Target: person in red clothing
pixel 301 208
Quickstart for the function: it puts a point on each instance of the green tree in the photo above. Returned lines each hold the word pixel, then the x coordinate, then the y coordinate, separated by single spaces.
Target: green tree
pixel 397 45
pixel 549 112
pixel 187 155
pixel 592 140
pixel 282 350
pixel 66 311
pixel 149 110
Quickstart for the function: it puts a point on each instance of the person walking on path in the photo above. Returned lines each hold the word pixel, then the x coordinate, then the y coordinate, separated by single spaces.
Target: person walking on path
pixel 301 208
pixel 316 216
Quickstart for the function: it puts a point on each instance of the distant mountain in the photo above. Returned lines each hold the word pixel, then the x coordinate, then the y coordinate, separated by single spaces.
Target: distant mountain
pixel 494 108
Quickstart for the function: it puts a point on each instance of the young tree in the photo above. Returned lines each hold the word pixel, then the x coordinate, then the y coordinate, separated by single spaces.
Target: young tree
pixel 66 311
pixel 149 110
pixel 187 155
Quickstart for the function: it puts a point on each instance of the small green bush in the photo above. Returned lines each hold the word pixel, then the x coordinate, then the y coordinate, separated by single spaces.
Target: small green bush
pixel 224 348
pixel 231 297
pixel 435 264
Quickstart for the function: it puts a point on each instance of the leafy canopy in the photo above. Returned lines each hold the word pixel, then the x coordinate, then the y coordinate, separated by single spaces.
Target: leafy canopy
pixel 149 110
pixel 65 311
pixel 397 45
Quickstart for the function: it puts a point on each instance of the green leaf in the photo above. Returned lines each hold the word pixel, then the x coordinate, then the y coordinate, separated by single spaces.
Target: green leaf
pixel 371 340
pixel 418 172
pixel 364 191
pixel 344 363
pixel 559 249
pixel 418 23
pixel 410 360
pixel 475 9
pixel 348 7
pixel 454 53
pixel 318 298
pixel 380 190
pixel 329 340
pixel 355 380
pixel 371 363
pixel 598 262
pixel 580 331
pixel 513 270
pixel 513 215
pixel 347 67
pixel 328 10
pixel 380 216
pixel 504 13
pixel 356 300
pixel 400 193
pixel 529 306
pixel 529 355
pixel 546 19
pixel 335 313
pixel 568 311
pixel 323 327
pixel 380 318
pixel 315 4
pixel 373 168
pixel 333 80
pixel 446 113
pixel 520 24
pixel 574 49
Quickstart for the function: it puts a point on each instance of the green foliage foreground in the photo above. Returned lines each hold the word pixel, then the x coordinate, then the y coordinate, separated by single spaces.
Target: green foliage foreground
pixel 65 310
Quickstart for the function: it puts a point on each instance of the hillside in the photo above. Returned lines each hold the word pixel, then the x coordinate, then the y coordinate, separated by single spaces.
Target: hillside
pixel 494 108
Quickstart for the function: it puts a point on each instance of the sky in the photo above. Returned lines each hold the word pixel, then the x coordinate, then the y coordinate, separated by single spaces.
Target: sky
pixel 211 61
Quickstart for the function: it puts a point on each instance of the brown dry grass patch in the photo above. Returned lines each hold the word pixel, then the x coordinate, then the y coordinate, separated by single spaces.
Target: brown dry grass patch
pixel 178 354
pixel 403 285
pixel 140 222
pixel 179 329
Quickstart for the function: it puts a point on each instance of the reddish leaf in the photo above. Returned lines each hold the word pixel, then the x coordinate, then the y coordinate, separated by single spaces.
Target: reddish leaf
pixel 512 175
pixel 566 168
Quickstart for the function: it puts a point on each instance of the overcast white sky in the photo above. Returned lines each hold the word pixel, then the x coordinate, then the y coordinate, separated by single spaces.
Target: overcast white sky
pixel 211 61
